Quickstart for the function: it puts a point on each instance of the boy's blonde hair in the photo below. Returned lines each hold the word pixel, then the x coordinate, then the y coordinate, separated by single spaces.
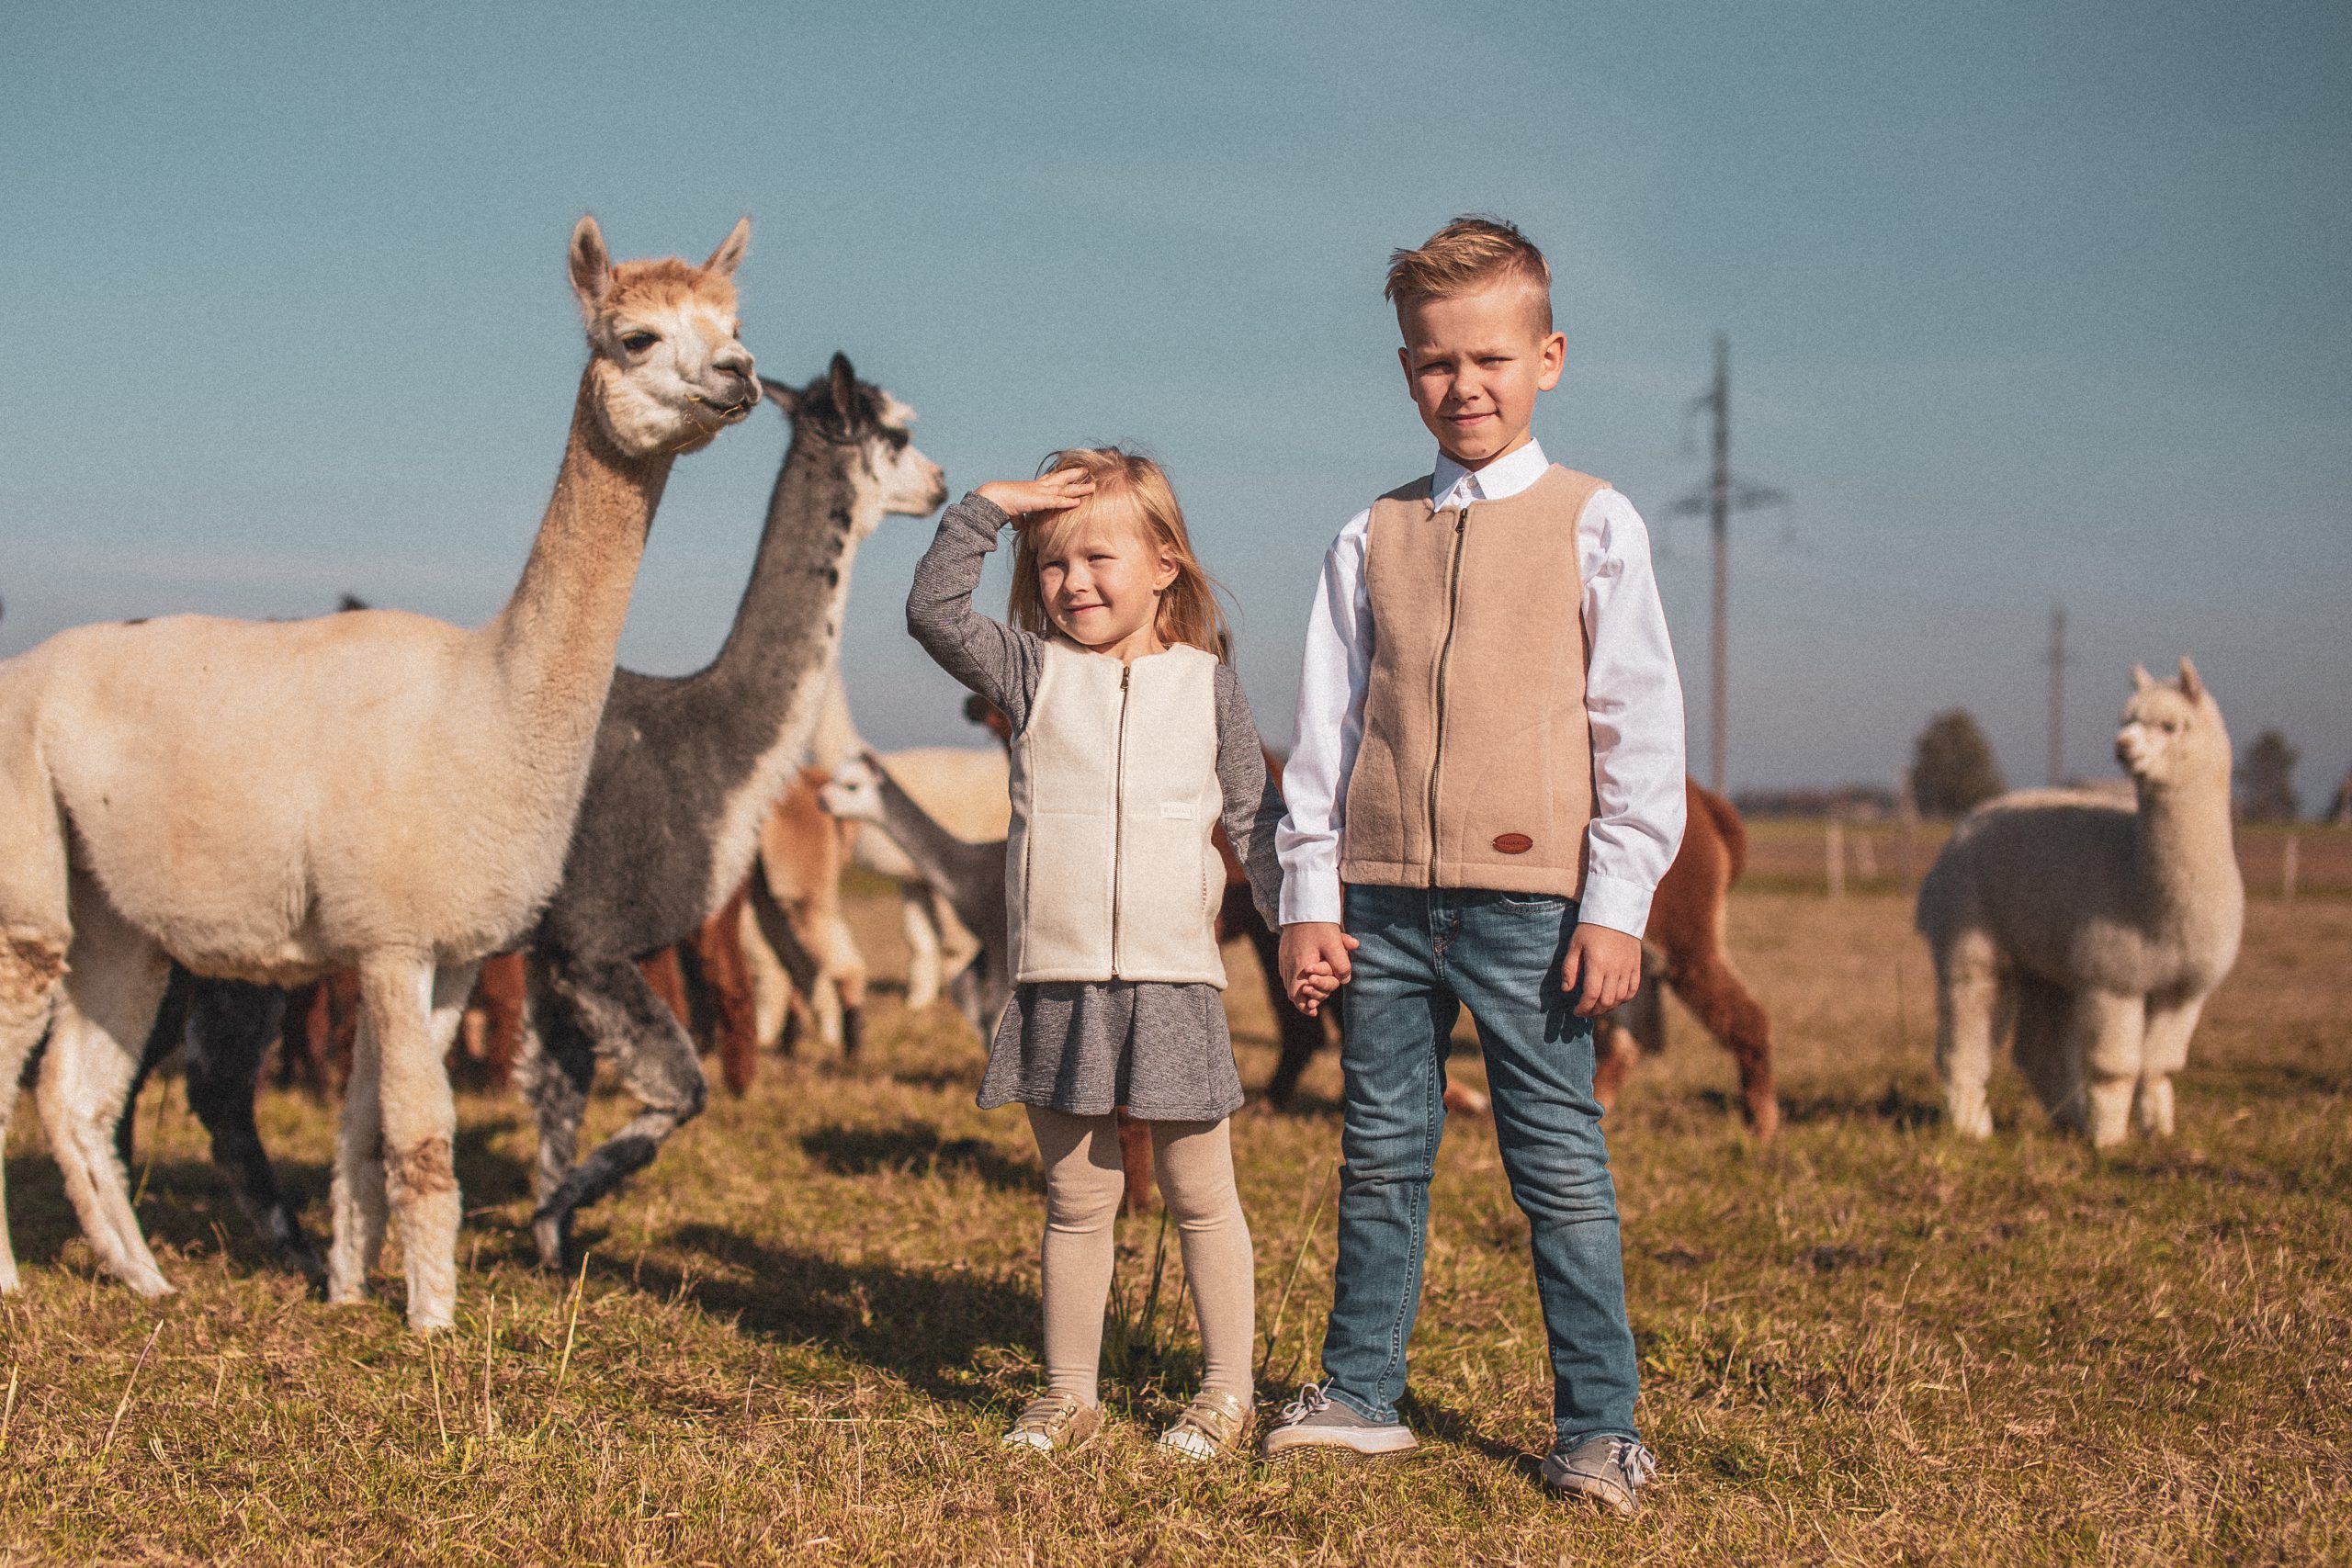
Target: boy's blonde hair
pixel 1129 489
pixel 1469 253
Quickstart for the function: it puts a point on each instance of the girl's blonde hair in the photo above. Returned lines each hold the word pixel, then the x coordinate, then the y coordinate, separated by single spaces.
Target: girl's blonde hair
pixel 1130 488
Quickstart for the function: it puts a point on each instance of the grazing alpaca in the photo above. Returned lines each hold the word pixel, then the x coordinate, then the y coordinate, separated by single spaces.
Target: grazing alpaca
pixel 1684 950
pixel 2097 926
pixel 686 770
pixel 969 875
pixel 419 824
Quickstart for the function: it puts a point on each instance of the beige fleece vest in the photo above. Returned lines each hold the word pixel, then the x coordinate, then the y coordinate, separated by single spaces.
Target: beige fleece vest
pixel 1110 873
pixel 1476 766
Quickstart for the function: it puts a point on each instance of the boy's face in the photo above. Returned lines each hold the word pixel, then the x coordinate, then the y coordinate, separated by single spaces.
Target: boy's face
pixel 1474 363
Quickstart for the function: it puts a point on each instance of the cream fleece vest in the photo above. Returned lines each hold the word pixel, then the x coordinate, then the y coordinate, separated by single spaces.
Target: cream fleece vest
pixel 1110 873
pixel 1476 766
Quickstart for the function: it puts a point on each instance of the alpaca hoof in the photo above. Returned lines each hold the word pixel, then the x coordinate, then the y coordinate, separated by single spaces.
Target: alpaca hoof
pixel 147 1282
pixel 432 1320
pixel 1975 1122
pixel 1764 1118
pixel 552 1234
pixel 345 1293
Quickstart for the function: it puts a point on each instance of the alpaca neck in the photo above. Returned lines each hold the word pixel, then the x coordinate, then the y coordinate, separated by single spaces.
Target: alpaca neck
pixel 944 859
pixel 2185 841
pixel 556 637
pixel 778 653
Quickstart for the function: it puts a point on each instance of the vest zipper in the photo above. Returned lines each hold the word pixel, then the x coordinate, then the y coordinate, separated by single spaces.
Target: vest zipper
pixel 1118 816
pixel 1445 653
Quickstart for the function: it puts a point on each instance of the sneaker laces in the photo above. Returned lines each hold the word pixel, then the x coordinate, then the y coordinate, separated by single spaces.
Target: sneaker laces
pixel 1311 1400
pixel 1635 1460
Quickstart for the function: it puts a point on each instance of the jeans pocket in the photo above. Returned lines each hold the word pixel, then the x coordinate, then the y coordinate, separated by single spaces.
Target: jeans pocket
pixel 1545 902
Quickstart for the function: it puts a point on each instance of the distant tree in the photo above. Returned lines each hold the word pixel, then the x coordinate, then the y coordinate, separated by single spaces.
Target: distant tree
pixel 1953 766
pixel 2340 813
pixel 2266 780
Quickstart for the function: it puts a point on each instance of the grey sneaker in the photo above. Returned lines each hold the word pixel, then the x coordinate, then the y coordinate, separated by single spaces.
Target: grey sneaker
pixel 1608 1470
pixel 1315 1420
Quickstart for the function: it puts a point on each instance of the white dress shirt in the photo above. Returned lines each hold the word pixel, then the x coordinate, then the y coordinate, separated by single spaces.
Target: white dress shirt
pixel 1632 700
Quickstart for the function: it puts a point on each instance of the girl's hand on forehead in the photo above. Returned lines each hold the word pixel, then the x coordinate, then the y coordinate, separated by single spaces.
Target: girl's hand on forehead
pixel 1024 499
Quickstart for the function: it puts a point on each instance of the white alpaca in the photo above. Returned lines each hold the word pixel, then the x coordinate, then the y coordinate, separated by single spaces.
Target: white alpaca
pixel 418 826
pixel 2098 925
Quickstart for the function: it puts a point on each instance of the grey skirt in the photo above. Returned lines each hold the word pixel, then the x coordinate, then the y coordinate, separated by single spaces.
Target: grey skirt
pixel 1084 1047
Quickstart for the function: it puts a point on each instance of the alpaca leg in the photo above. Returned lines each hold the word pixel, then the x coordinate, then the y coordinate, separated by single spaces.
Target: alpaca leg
pixel 162 1037
pixel 1134 1158
pixel 720 957
pixel 1710 987
pixel 2046 1051
pixel 2108 1029
pixel 846 964
pixel 915 900
pixel 784 941
pixel 413 1011
pixel 558 1068
pixel 356 1198
pixel 771 988
pixel 958 950
pixel 2163 1052
pixel 31 969
pixel 657 1061
pixel 98 1033
pixel 230 1025
pixel 1613 1060
pixel 1968 1002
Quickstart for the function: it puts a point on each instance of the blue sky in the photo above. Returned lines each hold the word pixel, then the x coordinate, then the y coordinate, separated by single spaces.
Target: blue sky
pixel 2029 303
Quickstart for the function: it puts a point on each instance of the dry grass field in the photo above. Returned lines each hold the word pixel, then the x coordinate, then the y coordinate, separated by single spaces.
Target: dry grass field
pixel 801 1332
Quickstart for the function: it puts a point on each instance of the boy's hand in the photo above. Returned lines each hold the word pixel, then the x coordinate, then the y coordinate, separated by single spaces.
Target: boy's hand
pixel 1315 963
pixel 1603 968
pixel 1022 499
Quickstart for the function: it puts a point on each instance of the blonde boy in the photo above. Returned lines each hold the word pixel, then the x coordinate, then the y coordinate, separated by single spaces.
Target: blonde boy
pixel 1487 788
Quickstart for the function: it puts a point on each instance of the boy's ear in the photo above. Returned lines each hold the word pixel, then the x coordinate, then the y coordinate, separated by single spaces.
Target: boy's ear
pixel 1552 359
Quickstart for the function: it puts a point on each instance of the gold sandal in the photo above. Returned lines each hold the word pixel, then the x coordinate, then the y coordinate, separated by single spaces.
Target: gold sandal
pixel 1055 1422
pixel 1213 1424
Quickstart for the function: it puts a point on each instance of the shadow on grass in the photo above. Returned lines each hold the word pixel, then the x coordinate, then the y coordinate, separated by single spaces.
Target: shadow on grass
pixel 1897 1107
pixel 926 1327
pixel 189 1206
pixel 916 1147
pixel 1443 1421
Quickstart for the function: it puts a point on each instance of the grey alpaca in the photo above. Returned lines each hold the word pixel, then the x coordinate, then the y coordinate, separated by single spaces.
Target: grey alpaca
pixel 684 770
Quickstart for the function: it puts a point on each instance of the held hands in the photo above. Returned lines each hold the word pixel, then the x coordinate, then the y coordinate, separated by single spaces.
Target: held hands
pixel 1603 968
pixel 1315 963
pixel 1023 499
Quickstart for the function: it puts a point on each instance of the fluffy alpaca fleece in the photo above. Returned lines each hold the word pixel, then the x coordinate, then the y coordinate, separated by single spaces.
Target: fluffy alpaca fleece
pixel 419 824
pixel 686 770
pixel 2096 928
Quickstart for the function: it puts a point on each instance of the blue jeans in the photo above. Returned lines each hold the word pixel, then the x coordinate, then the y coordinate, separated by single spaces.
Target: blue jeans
pixel 1426 953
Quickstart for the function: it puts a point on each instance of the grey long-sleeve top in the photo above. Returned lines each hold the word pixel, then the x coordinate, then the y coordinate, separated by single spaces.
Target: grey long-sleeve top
pixel 1003 664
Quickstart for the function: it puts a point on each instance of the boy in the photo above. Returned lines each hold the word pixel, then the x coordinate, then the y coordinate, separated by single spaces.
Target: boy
pixel 1487 788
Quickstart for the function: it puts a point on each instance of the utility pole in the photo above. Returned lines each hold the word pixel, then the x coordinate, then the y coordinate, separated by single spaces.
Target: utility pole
pixel 1718 501
pixel 2057 657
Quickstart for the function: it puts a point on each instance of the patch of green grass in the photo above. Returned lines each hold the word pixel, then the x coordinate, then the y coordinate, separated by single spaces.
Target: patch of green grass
pixel 802 1329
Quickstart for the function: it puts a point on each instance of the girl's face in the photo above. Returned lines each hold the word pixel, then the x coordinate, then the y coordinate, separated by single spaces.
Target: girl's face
pixel 1102 582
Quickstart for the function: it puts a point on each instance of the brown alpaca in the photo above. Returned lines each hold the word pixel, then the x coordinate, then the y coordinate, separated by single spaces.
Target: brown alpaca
pixel 421 824
pixel 1684 948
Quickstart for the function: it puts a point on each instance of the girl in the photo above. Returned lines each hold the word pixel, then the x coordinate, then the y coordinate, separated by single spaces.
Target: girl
pixel 1131 737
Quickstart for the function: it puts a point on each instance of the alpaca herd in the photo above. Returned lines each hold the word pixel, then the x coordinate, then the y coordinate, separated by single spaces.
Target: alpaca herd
pixel 459 795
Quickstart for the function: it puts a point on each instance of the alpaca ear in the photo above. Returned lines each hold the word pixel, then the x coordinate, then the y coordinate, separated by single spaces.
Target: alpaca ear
pixel 732 249
pixel 783 396
pixel 844 387
pixel 2140 679
pixel 2190 686
pixel 592 267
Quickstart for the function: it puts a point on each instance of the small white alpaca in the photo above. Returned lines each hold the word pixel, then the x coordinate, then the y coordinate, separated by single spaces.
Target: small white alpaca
pixel 2098 925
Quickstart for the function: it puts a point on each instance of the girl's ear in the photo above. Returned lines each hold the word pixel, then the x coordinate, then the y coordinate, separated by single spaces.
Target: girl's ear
pixel 1165 577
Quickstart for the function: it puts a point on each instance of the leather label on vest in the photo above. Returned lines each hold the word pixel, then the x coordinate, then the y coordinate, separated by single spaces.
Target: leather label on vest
pixel 1513 843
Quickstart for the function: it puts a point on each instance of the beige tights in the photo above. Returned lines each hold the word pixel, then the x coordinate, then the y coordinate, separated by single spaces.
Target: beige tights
pixel 1084 1183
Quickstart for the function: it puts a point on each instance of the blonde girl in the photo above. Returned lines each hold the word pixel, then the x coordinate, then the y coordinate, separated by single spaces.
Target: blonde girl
pixel 1131 740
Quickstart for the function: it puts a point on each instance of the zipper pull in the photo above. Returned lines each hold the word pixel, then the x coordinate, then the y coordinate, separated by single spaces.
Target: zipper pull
pixel 1125 670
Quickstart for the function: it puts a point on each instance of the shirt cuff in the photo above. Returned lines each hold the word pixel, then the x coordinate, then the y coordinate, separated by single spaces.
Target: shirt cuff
pixel 1612 902
pixel 982 514
pixel 1306 898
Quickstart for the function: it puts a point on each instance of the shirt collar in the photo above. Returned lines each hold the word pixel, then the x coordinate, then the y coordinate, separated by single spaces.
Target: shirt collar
pixel 1451 484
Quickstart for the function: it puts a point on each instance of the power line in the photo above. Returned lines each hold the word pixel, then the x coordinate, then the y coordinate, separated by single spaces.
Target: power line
pixel 1717 503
